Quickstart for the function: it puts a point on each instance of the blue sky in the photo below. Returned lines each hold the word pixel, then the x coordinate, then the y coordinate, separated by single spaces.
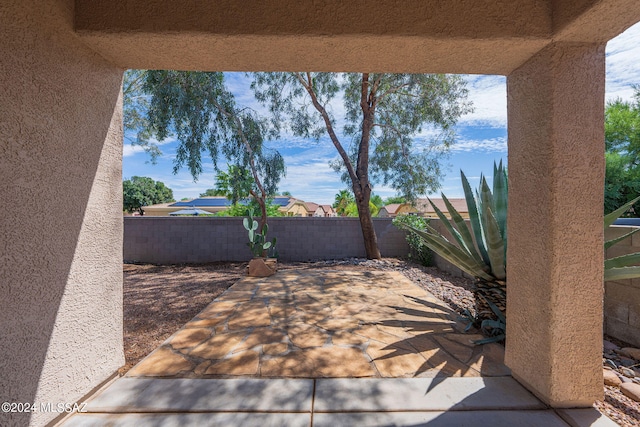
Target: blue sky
pixel 481 137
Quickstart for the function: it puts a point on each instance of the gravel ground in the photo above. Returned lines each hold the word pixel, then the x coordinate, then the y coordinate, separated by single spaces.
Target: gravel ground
pixel 158 300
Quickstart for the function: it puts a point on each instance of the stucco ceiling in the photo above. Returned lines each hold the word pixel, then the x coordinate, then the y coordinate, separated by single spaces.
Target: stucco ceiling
pixel 458 36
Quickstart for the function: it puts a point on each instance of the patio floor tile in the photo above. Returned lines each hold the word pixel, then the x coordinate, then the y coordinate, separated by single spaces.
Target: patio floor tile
pixel 323 324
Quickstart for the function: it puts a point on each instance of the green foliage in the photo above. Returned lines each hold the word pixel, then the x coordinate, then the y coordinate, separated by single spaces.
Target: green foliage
pixel 141 191
pixel 483 253
pixel 377 201
pixel 135 106
pixel 495 329
pixel 239 209
pixel 419 251
pixel 258 239
pixel 213 192
pixel 395 200
pixel 201 113
pixel 484 258
pixel 235 184
pixel 622 142
pixel 342 200
pixel 352 209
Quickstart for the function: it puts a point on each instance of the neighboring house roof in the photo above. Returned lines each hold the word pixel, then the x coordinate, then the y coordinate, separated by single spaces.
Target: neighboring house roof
pixel 328 209
pixel 392 208
pixel 425 208
pixel 311 207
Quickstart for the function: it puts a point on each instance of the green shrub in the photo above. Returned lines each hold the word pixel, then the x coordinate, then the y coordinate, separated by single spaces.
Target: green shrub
pixel 418 250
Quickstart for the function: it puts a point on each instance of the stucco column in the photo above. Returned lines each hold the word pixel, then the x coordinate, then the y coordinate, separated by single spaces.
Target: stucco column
pixel 61 224
pixel 555 252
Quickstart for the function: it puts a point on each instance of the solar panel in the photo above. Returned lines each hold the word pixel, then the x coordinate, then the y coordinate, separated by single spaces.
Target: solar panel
pixel 204 202
pixel 222 202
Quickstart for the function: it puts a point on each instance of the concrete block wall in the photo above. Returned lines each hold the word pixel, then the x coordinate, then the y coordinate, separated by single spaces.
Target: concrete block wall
pixel 166 240
pixel 622 298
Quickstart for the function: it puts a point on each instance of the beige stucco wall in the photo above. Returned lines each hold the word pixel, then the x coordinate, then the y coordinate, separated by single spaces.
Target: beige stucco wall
pixel 556 176
pixel 61 242
pixel 60 157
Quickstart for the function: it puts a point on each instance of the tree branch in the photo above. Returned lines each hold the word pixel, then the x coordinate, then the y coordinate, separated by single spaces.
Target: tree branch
pixel 327 122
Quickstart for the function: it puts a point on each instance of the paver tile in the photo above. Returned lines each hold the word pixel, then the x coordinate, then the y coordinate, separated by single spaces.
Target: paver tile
pixel 322 324
pixel 217 346
pixel 162 362
pixel 244 363
pixel 190 337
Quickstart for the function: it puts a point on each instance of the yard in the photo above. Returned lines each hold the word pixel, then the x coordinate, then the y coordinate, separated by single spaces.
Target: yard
pixel 159 300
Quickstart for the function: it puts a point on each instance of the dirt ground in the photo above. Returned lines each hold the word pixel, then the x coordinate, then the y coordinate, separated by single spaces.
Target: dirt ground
pixel 159 300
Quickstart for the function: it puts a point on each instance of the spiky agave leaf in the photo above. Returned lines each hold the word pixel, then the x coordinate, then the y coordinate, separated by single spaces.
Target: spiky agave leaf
pixel 622 261
pixel 452 253
pixel 621 273
pixel 461 226
pixel 474 218
pixel 493 237
pixel 462 241
pixel 611 217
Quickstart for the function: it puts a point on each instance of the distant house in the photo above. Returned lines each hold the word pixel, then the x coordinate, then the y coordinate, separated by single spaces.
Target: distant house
pixel 294 207
pixel 329 211
pixel 394 209
pixel 288 206
pixel 426 210
pixel 319 211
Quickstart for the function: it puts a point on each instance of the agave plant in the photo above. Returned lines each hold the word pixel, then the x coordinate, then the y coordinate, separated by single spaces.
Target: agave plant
pixel 622 267
pixel 483 254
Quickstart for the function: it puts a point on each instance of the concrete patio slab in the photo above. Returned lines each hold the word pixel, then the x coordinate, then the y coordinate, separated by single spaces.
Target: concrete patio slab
pixel 198 395
pixel 586 417
pixel 422 394
pixel 243 419
pixel 441 419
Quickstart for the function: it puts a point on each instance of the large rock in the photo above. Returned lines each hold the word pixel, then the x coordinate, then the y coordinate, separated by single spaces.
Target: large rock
pixel 631 390
pixel 610 378
pixel 633 353
pixel 262 267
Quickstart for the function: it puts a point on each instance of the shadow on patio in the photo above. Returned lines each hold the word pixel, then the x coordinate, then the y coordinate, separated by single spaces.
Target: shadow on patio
pixel 323 347
pixel 323 324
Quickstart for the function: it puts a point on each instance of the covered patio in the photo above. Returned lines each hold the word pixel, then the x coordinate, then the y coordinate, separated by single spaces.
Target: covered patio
pixel 61 142
pixel 324 347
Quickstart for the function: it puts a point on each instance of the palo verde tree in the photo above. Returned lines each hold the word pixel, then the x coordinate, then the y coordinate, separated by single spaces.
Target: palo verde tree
pixel 384 115
pixel 197 108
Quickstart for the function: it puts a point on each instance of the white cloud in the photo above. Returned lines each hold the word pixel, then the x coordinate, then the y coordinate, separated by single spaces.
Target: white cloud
pixel 623 70
pixel 489 97
pixel 129 149
pixel 489 145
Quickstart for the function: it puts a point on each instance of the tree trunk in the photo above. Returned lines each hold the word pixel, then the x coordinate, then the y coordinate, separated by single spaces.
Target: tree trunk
pixel 368 232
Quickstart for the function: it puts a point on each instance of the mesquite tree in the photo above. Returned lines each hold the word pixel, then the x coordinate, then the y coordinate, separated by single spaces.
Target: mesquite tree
pixel 384 117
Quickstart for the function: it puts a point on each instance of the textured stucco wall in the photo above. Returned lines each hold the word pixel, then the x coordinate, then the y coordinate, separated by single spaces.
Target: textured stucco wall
pixel 480 36
pixel 555 257
pixel 164 240
pixel 60 167
pixel 622 298
pixel 453 36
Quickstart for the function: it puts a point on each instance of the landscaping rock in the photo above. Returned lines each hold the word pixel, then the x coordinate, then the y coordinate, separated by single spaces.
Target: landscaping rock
pixel 627 372
pixel 631 390
pixel 609 346
pixel 625 379
pixel 611 378
pixel 625 361
pixel 633 353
